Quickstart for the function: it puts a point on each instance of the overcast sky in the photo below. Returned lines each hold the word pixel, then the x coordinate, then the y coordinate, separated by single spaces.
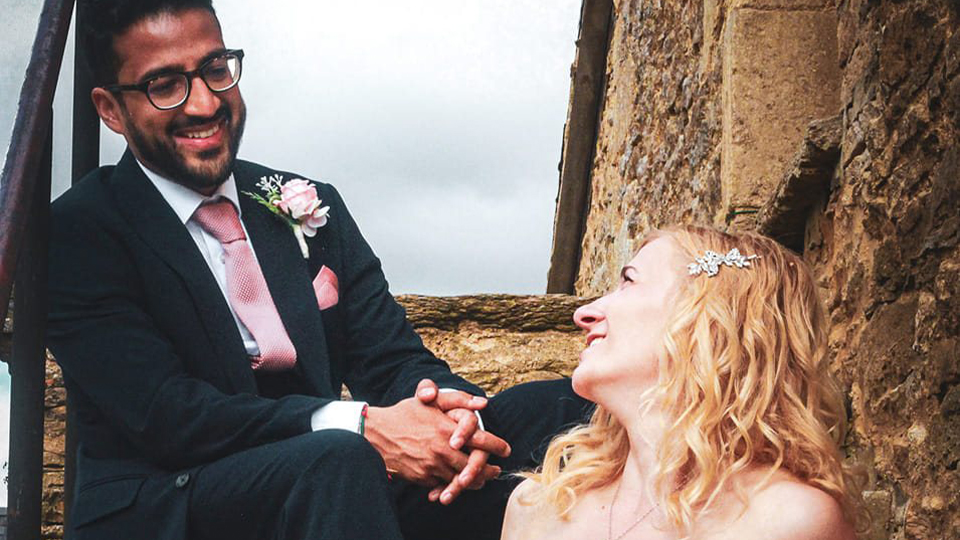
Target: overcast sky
pixel 440 122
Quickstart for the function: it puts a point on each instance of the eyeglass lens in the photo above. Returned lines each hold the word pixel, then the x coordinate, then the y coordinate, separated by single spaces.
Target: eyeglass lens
pixel 219 74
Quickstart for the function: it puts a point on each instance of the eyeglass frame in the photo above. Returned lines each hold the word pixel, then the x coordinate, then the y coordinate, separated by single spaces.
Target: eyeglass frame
pixel 190 75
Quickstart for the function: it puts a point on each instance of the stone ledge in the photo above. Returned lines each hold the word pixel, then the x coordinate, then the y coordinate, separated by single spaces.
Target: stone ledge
pixel 500 340
pixel 534 313
pixel 806 181
pixel 783 5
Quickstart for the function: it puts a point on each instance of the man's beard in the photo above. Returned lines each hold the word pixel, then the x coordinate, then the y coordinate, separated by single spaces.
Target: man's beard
pixel 162 154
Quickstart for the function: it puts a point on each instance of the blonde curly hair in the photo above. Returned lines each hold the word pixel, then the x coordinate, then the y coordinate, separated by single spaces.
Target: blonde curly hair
pixel 744 382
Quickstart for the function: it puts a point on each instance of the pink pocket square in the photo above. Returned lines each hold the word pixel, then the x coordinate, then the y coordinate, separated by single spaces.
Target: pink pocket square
pixel 327 288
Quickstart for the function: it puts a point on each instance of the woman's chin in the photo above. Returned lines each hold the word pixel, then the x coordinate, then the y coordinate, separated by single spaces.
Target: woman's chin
pixel 582 384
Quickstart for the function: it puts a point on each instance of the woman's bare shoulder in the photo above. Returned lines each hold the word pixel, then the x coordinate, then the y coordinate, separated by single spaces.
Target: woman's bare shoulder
pixel 789 508
pixel 522 515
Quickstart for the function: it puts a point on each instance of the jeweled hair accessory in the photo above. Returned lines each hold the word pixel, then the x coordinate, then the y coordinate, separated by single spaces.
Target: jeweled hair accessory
pixel 711 261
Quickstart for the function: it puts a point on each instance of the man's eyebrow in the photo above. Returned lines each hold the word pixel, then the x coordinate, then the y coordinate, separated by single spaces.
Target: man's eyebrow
pixel 179 68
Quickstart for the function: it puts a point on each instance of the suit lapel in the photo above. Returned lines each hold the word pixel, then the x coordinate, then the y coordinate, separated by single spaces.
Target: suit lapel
pixel 157 224
pixel 290 283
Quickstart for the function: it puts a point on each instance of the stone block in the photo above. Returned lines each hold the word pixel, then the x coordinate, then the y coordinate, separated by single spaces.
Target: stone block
pixel 879 504
pixel 805 183
pixel 499 359
pixel 783 5
pixel 780 72
pixel 657 155
pixel 51 510
pixel 499 341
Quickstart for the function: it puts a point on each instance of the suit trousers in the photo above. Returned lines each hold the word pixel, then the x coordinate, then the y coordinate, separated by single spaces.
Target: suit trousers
pixel 332 484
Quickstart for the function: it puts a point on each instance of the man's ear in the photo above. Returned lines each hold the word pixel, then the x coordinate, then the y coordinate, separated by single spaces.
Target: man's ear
pixel 108 108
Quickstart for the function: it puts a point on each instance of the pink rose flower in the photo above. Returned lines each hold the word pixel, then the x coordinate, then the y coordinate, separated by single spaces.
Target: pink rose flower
pixel 299 199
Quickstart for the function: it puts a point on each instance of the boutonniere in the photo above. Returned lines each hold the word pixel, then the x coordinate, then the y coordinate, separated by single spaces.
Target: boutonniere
pixel 296 202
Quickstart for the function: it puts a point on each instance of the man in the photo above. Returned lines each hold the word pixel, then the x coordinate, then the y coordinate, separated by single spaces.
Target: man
pixel 204 339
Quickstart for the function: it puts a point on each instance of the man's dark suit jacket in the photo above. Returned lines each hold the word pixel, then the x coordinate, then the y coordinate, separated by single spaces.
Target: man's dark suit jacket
pixel 157 373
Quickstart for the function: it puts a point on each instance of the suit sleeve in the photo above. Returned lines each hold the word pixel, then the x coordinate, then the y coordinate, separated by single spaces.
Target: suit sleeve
pixel 128 372
pixel 386 357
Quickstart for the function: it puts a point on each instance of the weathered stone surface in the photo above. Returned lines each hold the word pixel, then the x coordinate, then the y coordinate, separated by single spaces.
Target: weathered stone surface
pixel 498 341
pixel 887 251
pixel 517 313
pixel 805 184
pixel 51 514
pixel 54 430
pixel 883 239
pixel 782 5
pixel 658 148
pixel 779 73
pixel 497 360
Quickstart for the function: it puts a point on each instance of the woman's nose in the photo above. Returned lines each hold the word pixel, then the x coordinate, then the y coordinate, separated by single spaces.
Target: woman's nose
pixel 588 315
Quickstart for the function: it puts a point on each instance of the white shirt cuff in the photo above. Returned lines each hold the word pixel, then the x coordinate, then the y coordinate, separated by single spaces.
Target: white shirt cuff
pixel 338 415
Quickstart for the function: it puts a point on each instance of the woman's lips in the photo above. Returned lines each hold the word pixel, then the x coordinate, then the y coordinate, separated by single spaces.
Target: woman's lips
pixel 594 338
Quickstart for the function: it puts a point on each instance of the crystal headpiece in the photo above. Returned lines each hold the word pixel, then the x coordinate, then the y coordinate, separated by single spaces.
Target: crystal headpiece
pixel 710 262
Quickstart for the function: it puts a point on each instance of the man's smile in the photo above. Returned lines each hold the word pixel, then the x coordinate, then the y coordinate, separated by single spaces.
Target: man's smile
pixel 202 137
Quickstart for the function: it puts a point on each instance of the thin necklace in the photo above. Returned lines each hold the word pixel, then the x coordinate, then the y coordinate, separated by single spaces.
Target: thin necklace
pixel 632 525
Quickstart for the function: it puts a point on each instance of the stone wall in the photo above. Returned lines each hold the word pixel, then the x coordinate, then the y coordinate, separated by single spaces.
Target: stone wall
pixel 499 341
pixel 496 341
pixel 658 148
pixel 54 444
pixel 871 196
pixel 886 247
pixel 54 424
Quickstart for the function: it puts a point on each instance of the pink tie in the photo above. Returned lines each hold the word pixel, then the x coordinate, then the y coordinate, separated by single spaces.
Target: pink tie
pixel 246 287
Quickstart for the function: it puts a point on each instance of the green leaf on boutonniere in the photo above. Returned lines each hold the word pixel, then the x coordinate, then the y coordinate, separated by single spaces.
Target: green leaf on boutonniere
pixel 270 206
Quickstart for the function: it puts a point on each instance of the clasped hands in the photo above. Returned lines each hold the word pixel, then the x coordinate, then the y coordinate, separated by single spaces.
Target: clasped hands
pixel 432 439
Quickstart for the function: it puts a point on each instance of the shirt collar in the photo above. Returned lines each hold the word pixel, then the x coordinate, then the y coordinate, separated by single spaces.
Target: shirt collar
pixel 185 201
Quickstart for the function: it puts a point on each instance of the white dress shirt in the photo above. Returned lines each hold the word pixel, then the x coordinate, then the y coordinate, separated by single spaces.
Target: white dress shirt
pixel 184 202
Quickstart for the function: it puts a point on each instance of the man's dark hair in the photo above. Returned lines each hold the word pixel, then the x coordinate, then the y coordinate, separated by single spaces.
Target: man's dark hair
pixel 107 19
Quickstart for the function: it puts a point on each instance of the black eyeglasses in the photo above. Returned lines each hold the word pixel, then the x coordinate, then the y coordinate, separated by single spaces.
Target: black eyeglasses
pixel 171 90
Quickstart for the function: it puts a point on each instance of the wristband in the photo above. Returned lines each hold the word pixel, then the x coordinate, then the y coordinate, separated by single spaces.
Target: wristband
pixel 363 419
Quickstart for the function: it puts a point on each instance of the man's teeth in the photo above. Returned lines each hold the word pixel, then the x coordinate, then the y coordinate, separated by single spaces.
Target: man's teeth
pixel 203 134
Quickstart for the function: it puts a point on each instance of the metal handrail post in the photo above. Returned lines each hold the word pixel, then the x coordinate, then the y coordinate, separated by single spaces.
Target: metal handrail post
pixel 28 363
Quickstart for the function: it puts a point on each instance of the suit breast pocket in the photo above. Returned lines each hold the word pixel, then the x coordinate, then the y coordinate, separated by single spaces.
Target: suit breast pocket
pixel 327 288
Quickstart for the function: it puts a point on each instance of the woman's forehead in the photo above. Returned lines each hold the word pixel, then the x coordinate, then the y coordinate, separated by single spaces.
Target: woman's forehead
pixel 659 251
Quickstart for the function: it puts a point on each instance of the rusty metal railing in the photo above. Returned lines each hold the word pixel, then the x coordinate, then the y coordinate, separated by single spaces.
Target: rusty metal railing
pixel 24 206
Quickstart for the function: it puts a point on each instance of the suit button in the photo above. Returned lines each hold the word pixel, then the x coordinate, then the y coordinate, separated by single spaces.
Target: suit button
pixel 183 480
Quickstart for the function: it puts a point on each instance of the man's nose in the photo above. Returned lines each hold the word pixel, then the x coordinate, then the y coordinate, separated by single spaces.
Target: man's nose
pixel 588 315
pixel 202 101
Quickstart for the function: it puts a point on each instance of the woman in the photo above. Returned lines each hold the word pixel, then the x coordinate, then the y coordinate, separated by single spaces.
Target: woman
pixel 716 416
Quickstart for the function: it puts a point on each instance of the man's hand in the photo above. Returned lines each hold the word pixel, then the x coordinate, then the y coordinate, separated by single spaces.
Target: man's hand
pixel 461 407
pixel 414 440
